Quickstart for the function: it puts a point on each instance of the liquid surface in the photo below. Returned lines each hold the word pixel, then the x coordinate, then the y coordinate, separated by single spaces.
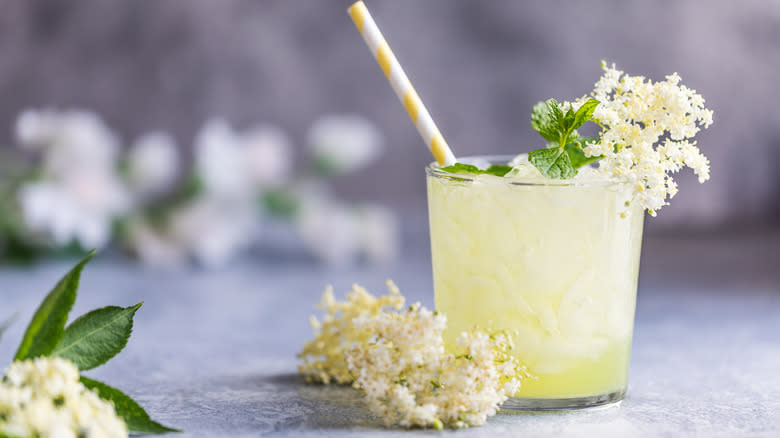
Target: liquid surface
pixel 557 266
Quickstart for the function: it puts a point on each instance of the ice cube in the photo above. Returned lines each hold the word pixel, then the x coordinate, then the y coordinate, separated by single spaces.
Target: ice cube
pixel 518 160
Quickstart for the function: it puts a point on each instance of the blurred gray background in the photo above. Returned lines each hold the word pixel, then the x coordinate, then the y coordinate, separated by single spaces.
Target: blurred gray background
pixel 478 65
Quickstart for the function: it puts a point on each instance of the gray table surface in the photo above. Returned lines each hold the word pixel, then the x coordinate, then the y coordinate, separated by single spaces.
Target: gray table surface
pixel 213 353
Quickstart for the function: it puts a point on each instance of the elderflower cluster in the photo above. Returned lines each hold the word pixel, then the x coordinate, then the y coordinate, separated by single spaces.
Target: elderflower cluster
pixel 43 398
pixel 647 133
pixel 323 356
pixel 399 360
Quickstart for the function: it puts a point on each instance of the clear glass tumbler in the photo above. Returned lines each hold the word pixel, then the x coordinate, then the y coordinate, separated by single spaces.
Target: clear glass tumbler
pixel 555 263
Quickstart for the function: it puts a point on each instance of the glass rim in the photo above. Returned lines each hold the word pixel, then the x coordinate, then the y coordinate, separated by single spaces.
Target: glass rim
pixel 433 170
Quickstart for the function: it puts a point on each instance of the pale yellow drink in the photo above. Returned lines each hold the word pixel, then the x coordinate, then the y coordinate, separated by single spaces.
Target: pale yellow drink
pixel 553 262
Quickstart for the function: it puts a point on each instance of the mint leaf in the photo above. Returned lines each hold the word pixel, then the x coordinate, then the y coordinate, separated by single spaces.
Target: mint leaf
pixel 568 121
pixel 48 324
pixel 548 120
pixel 97 336
pixel 552 163
pixel 460 168
pixel 129 410
pixel 495 169
pixel 585 113
pixel 577 155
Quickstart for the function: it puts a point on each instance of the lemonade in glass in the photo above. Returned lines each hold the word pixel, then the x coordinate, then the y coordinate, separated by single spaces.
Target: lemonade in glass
pixel 554 263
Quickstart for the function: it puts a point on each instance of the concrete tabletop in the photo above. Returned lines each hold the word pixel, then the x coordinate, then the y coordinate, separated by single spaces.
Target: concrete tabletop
pixel 213 353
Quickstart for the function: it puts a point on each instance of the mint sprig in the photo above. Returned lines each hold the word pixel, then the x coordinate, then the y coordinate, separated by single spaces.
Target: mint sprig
pixel 564 155
pixel 496 169
pixel 90 341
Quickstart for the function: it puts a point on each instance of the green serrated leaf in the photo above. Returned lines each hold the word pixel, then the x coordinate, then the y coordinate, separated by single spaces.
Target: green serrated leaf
pixel 568 121
pixel 96 337
pixel 48 324
pixel 555 111
pixel 129 410
pixel 495 169
pixel 552 163
pixel 546 119
pixel 577 155
pixel 584 113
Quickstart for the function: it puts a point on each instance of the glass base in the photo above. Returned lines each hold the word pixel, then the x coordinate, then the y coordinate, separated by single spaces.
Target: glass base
pixel 558 404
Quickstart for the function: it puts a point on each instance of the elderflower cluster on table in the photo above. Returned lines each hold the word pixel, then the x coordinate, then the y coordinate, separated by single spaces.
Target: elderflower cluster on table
pixel 71 186
pixel 43 397
pixel 398 360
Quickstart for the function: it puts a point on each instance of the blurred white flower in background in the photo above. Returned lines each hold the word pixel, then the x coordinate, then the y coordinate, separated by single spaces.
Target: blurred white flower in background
pixel 209 231
pixel 218 160
pixel 79 194
pixel 344 143
pixel 78 208
pixel 329 230
pixel 69 140
pixel 214 231
pixel 378 233
pixel 267 154
pixel 235 168
pixel 339 234
pixel 241 183
pixel 234 165
pixel 152 164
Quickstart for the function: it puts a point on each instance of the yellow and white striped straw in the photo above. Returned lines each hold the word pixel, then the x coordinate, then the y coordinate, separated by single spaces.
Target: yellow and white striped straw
pixel 401 85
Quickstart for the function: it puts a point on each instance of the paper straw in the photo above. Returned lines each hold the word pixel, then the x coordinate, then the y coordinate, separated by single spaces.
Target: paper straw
pixel 401 85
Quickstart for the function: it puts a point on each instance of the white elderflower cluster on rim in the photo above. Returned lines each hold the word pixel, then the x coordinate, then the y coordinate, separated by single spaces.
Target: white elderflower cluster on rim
pixel 44 398
pixel 647 133
pixel 399 360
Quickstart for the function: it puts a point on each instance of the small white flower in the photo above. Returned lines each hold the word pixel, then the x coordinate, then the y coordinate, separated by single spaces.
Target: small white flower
pixel 267 154
pixel 219 162
pixel 79 194
pixel 214 231
pixel 80 207
pixel 70 141
pixel 329 229
pixel 153 163
pixel 35 128
pixel 235 165
pixel 378 233
pixel 345 142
